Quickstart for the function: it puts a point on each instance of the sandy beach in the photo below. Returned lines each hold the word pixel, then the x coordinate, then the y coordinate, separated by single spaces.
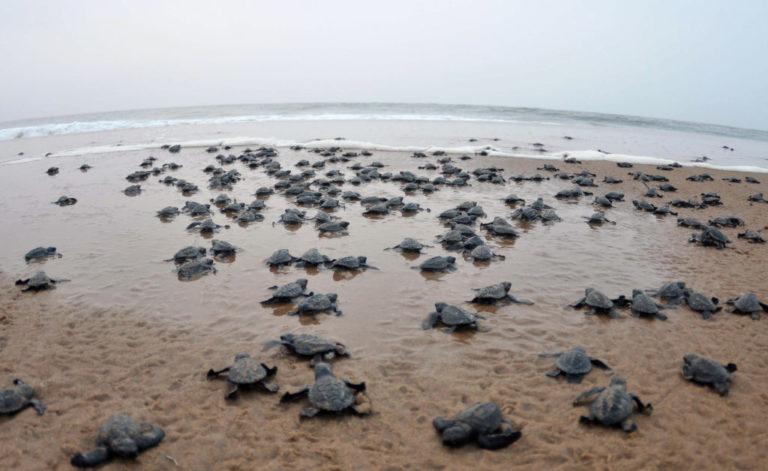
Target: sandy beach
pixel 125 335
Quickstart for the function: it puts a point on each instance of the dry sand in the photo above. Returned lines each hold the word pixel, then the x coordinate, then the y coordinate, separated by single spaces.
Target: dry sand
pixel 126 336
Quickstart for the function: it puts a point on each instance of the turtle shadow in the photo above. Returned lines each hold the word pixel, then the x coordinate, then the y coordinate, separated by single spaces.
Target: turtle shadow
pixel 282 309
pixel 292 227
pixel 486 307
pixel 207 235
pixel 341 275
pixel 374 217
pixel 432 275
pixel 410 256
pixel 481 264
pixel 230 258
pixel 332 235
pixel 311 271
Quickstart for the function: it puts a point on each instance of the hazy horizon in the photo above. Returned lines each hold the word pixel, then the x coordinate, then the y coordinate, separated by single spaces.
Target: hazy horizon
pixel 688 61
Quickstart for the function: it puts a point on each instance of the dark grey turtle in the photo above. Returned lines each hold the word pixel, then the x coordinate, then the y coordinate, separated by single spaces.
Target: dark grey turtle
pixel 287 292
pixel 52 171
pixel 205 227
pixel 706 371
pixel 602 201
pixel 612 406
pixel 549 215
pixel 481 422
pixel 726 221
pixel 747 304
pixel 322 217
pixel 614 196
pixel 700 303
pixel 496 293
pixel 601 303
pixel 281 258
pixel 38 282
pixel 643 305
pixel 671 293
pixel 331 394
pixel 644 205
pixel 233 207
pixel 690 222
pixel 377 209
pixel 120 436
pixel 452 316
pixel 312 258
pixel 574 364
pixel 351 263
pixel 41 253
pixel 316 304
pixel 754 237
pixel 188 253
pixel 339 226
pixel 309 345
pixel 246 372
pixel 221 249
pixel 18 398
pixel 132 190
pixel 439 264
pixel 292 217
pixel 524 214
pixel 500 227
pixel 168 212
pixel 85 168
pixel 483 253
pixel 710 237
pixel 65 201
pixel 248 216
pixel 196 209
pixel 195 268
pixel 539 205
pixel 410 245
pixel 597 218
pixel 264 191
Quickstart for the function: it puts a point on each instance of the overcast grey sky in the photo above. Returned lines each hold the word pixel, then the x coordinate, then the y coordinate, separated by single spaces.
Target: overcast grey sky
pixel 695 60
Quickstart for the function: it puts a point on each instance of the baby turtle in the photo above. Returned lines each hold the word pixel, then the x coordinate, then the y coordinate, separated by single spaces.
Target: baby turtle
pixel 330 393
pixel 439 264
pixel 246 372
pixel 351 263
pixel 612 406
pixel 195 268
pixel 38 282
pixel 18 398
pixel 312 258
pixel 168 212
pixel 292 217
pixel 222 249
pixel 205 227
pixel 753 237
pixel 452 316
pixel 597 218
pixel 483 253
pixel 574 364
pixel 309 345
pixel 700 303
pixel 496 293
pixel 671 293
pixel 287 292
pixel 133 190
pixel 40 253
pixel 316 304
pixel 339 226
pixel 643 305
pixel 711 237
pixel 481 422
pixel 65 201
pixel 121 436
pixel 705 371
pixel 410 245
pixel 747 304
pixel 500 227
pixel 52 171
pixel 601 303
pixel 187 254
pixel 281 258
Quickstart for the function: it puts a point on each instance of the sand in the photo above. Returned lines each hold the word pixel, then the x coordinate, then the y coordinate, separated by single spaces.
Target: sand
pixel 124 335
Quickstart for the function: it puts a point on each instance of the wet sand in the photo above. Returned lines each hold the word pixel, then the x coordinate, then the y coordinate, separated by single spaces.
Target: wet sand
pixel 126 336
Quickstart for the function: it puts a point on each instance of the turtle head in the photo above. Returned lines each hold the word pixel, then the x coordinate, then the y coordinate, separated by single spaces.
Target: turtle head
pixel 636 292
pixel 362 259
pixel 287 337
pixel 455 434
pixel 322 369
pixel 440 306
pixel 579 349
pixel 588 291
pixel 51 250
pixel 451 259
pixel 690 358
pixel 124 446
pixel 619 381
pixel 302 282
pixel 332 297
pixel 344 224
pixel 23 389
pixel 242 356
pixel 507 285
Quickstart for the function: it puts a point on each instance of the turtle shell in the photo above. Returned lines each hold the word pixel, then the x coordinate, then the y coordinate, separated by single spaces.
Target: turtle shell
pixel 40 252
pixel 481 253
pixel 705 370
pixel 280 257
pixel 452 237
pixel 189 253
pixel 314 257
pixel 699 302
pixel 597 299
pixel 494 292
pixel 329 392
pixel 483 417
pixel 195 267
pixel 454 315
pixel 308 344
pixel 333 226
pixel 349 263
pixel 12 400
pixel 246 370
pixel 671 290
pixel 39 281
pixel 614 404
pixel 574 362
pixel 643 304
pixel 220 247
pixel 410 245
pixel 437 263
pixel 380 208
pixel 747 304
pixel 292 290
pixel 317 303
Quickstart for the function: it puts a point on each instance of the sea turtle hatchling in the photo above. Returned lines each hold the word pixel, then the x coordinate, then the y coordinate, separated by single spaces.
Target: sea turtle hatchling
pixel 309 345
pixel 700 303
pixel 280 258
pixel 706 371
pixel 194 269
pixel 643 305
pixel 672 293
pixel 316 304
pixel 409 245
pixel 452 316
pixel 187 254
pixel 573 364
pixel 500 227
pixel 612 406
pixel 246 372
pixel 205 227
pixel 438 264
pixel 41 253
pixel 601 303
pixel 312 258
pixel 287 292
pixel 710 236
pixel 222 249
pixel 351 263
pixel 754 237
pixel 482 422
pixel 38 282
pixel 747 304
pixel 18 398
pixel 483 253
pixel 334 226
pixel 330 393
pixel 65 201
pixel 168 212
pixel 496 293
pixel 121 436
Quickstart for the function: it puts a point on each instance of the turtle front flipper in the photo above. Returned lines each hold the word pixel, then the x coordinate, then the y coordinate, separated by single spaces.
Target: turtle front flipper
pixel 91 458
pixel 449 330
pixel 294 395
pixel 687 372
pixel 551 355
pixel 554 373
pixel 309 413
pixel 273 343
pixel 588 395
pixel 731 367
pixel 359 387
pixel 506 435
pixel 40 408
pixel 519 301
pixel 578 303
pixel 150 436
pixel 233 393
pixel 640 406
pixel 660 316
pixel 628 426
pixel 430 321
pixel 722 388
pixel 271 300
pixel 213 373
pixel 600 364
pixel 755 315
pixel 707 314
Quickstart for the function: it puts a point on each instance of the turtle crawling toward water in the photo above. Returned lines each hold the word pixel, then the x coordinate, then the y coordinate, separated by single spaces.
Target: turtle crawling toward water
pixel 65 201
pixel 439 264
pixel 410 245
pixel 747 304
pixel 700 303
pixel 601 303
pixel 38 282
pixel 121 436
pixel 287 292
pixel 41 253
pixel 187 254
pixel 312 258
pixel 643 305
pixel 496 294
pixel 672 293
pixel 246 372
pixel 705 371
pixel 481 422
pixel 194 269
pixel 309 345
pixel 316 304
pixel 612 406
pixel 18 398
pixel 452 316
pixel 351 263
pixel 330 393
pixel 574 364
pixel 280 258
pixel 712 237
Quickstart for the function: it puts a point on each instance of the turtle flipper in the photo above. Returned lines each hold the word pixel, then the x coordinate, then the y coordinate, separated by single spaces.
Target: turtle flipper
pixel 574 379
pixel 755 316
pixel 578 303
pixel 613 314
pixel 640 406
pixel 40 408
pixel 213 373
pixel 551 355
pixel 271 387
pixel 500 439
pixel 687 373
pixel 660 316
pixel 309 413
pixel 233 393
pixel 587 394
pixel 519 301
pixel 449 330
pixel 359 387
pixel 91 458
pixel 430 321
pixel 272 343
pixel 706 314
pixel 294 395
pixel 587 419
pixel 722 388
pixel 151 437
pixel 271 300
pixel 600 364
pixel 554 373
pixel 628 426
pixel 731 367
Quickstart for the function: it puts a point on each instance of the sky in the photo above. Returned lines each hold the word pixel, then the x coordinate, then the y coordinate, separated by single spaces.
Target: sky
pixel 696 60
